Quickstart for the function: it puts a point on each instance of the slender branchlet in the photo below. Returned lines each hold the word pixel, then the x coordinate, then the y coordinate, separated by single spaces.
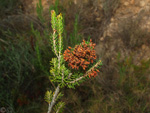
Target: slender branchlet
pixel 54 35
pixel 77 79
pixel 63 75
pixel 60 39
pixel 53 99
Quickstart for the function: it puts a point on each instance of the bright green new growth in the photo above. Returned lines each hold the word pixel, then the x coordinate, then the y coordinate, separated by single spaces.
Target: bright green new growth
pixel 48 96
pixel 60 74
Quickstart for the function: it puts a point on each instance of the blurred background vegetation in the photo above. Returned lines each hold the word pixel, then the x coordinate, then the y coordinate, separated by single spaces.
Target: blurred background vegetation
pixel 25 52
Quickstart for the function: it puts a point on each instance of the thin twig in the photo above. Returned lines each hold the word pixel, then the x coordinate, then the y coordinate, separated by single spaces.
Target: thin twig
pixel 98 63
pixel 54 43
pixel 69 75
pixel 62 76
pixel 59 51
pixel 53 74
pixel 3 41
pixel 59 108
pixel 53 100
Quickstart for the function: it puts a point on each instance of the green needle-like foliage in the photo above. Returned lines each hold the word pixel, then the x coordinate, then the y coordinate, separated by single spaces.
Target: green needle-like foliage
pixel 59 107
pixel 48 96
pixel 60 73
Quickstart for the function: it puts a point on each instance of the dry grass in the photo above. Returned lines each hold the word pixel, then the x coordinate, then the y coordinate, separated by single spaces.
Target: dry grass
pixel 116 91
pixel 121 87
pixel 132 33
pixel 110 6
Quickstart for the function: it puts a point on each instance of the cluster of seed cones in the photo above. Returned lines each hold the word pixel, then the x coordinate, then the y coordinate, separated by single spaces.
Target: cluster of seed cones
pixel 81 56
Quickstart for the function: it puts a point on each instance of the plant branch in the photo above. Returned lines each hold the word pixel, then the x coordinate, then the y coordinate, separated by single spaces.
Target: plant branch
pixel 69 75
pixel 59 109
pixel 54 43
pixel 62 76
pixel 59 50
pixel 98 63
pixel 53 99
pixel 3 41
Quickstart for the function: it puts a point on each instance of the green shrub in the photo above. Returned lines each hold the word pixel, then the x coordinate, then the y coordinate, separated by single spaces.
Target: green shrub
pixel 61 74
pixel 17 72
pixel 8 7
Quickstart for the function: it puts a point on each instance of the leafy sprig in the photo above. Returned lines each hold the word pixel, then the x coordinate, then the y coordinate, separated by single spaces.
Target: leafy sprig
pixel 61 73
